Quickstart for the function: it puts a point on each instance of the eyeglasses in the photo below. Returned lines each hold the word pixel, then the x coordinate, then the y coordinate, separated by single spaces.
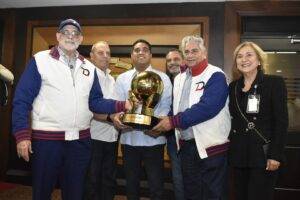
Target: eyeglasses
pixel 72 33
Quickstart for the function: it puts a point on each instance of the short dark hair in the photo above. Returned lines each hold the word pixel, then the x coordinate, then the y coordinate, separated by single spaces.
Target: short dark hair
pixel 141 41
pixel 177 50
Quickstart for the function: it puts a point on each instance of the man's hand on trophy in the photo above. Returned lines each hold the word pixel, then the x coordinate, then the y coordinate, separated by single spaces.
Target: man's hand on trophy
pixel 164 125
pixel 116 119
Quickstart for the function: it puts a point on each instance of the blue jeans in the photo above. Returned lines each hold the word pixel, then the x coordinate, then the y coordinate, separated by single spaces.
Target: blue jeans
pixel 203 178
pixel 176 167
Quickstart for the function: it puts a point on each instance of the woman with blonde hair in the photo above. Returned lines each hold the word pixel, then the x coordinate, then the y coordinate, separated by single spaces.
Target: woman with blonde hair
pixel 258 107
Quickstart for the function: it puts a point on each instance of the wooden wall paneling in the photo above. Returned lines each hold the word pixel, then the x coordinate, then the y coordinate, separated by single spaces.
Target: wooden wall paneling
pixel 123 34
pixel 38 42
pixel 160 37
pixel 90 29
pixel 158 31
pixel 7 16
pixel 232 29
pixel 141 12
pixel 31 32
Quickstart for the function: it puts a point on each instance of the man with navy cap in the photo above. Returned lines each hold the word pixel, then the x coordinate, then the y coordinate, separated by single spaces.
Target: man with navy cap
pixel 60 89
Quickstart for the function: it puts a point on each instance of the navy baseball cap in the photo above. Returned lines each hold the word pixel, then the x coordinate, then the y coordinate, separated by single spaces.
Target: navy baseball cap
pixel 69 22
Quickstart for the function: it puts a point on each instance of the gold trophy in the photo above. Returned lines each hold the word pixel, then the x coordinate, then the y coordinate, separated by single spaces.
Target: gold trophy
pixel 145 93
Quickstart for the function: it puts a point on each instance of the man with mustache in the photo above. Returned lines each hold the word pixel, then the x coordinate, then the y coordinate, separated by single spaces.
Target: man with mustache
pixel 59 88
pixel 174 59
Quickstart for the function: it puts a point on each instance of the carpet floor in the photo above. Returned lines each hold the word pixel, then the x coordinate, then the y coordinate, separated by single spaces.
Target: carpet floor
pixel 10 191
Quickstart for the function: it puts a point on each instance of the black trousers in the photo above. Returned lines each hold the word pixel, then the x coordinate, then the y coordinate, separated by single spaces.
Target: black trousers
pixel 152 157
pixel 254 183
pixel 54 160
pixel 101 177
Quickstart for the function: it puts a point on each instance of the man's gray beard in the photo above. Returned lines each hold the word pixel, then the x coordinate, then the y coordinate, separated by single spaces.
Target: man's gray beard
pixel 76 44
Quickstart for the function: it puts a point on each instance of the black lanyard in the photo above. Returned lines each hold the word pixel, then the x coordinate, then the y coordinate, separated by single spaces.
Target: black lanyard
pixel 250 125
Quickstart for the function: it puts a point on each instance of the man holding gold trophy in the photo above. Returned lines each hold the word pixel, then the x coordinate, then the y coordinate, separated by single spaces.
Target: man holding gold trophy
pixel 145 93
pixel 150 92
pixel 201 121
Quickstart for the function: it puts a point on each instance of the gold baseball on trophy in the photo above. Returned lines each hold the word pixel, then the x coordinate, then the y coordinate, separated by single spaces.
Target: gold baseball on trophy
pixel 145 93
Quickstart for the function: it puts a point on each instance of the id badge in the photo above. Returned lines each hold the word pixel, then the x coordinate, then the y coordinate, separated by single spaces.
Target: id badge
pixel 253 103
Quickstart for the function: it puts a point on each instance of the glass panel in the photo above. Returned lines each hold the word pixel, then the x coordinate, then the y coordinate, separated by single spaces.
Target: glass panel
pixel 287 65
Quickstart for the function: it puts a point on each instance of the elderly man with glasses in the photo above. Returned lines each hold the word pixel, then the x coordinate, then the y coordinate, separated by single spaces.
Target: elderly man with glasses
pixel 59 88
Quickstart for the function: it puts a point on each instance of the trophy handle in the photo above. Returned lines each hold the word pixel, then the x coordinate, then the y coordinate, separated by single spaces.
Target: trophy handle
pixel 150 103
pixel 134 100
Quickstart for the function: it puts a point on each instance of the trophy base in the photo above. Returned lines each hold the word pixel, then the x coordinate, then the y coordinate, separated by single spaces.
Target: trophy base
pixel 140 122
